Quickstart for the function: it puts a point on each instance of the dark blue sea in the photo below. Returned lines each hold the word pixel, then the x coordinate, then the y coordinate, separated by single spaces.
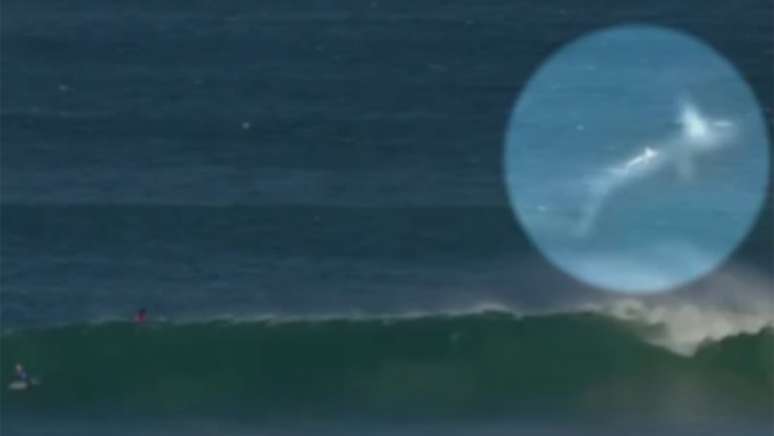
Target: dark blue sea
pixel 308 199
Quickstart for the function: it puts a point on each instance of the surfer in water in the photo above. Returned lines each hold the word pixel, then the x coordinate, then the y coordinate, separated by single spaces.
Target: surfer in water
pixel 21 374
pixel 141 316
pixel 22 380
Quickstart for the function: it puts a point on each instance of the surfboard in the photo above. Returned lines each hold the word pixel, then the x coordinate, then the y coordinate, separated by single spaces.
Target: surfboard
pixel 18 385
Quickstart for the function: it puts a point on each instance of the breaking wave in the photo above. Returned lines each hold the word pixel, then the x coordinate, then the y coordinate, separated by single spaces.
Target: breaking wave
pixel 476 364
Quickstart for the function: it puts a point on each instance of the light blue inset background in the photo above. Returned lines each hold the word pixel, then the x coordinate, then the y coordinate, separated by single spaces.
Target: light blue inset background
pixel 599 102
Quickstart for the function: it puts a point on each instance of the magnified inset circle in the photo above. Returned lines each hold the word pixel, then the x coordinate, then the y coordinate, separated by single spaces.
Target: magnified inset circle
pixel 636 159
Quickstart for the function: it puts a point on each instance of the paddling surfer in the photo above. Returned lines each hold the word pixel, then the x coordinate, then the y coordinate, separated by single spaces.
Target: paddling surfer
pixel 21 374
pixel 141 316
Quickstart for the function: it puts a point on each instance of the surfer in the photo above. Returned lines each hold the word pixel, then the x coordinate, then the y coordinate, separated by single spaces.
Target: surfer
pixel 141 316
pixel 22 380
pixel 21 374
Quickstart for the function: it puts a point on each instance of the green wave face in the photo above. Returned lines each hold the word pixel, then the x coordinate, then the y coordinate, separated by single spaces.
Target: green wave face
pixel 466 366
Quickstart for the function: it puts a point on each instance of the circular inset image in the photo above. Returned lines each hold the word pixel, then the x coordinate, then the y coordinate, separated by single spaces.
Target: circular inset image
pixel 636 159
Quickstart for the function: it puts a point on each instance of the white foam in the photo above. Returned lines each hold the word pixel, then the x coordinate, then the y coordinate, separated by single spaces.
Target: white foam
pixel 735 302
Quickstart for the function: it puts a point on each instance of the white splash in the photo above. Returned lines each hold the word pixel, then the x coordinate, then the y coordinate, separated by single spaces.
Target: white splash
pixel 698 135
pixel 735 302
pixel 686 326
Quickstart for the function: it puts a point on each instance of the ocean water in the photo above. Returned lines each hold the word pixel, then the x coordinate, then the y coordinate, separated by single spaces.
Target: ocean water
pixel 482 371
pixel 308 198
